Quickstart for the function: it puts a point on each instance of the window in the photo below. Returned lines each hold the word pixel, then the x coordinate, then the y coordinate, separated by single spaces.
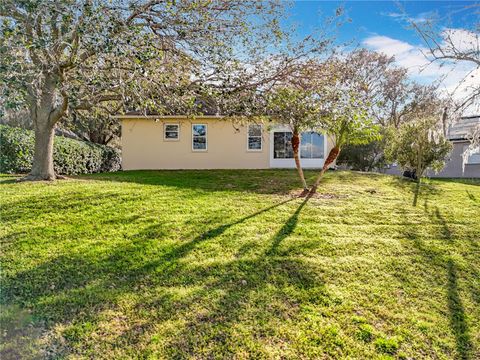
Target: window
pixel 171 131
pixel 199 137
pixel 254 137
pixel 282 145
pixel 312 145
pixel 474 157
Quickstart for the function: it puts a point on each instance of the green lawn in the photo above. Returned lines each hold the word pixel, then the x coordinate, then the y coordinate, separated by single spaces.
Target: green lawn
pixel 230 264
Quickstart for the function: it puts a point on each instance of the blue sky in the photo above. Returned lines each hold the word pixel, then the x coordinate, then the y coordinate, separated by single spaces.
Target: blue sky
pixel 377 17
pixel 382 26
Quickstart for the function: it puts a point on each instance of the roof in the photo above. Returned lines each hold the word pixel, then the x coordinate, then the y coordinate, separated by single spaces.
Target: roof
pixel 201 106
pixel 463 127
pixel 136 115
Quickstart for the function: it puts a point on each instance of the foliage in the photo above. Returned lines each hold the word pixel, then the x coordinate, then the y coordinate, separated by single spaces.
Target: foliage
pixel 104 52
pixel 61 57
pixel 344 104
pixel 364 157
pixel 419 145
pixel 94 126
pixel 225 264
pixel 449 46
pixel 293 107
pixel 298 109
pixel 70 156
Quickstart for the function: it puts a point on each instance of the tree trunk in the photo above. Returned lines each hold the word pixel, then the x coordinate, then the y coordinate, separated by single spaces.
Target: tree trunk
pixel 419 173
pixel 45 113
pixel 332 156
pixel 417 190
pixel 296 156
pixel 42 167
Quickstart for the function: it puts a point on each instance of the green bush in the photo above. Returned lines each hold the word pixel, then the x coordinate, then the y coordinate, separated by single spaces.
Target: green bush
pixel 70 156
pixel 365 157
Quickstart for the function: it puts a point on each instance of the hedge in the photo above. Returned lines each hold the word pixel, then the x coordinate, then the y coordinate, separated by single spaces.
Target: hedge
pixel 70 156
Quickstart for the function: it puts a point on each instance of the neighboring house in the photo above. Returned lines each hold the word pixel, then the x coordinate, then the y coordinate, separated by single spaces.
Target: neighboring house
pixel 213 142
pixel 455 167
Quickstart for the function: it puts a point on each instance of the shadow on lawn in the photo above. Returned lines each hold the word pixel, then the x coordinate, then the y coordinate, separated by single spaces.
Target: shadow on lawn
pixel 471 196
pixel 427 189
pixel 287 228
pixel 441 259
pixel 75 289
pixel 267 181
pixel 270 283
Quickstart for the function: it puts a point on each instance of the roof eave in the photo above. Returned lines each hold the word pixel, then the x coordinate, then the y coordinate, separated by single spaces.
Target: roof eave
pixel 133 116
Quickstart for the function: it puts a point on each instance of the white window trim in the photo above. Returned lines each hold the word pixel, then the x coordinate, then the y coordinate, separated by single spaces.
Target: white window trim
pixel 206 138
pixel 261 138
pixel 290 163
pixel 165 130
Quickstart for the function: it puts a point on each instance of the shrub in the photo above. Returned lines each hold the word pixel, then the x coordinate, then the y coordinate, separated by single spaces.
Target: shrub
pixel 70 156
pixel 364 157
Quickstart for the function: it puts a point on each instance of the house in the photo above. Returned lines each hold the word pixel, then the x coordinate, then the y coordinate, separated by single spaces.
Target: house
pixel 458 134
pixel 213 142
pixel 456 166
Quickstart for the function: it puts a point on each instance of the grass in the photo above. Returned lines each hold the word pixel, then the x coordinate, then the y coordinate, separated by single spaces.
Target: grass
pixel 229 264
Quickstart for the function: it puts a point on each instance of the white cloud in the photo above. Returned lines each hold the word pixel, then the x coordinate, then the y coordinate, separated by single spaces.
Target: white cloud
pixel 457 78
pixel 461 39
pixel 419 18
pixel 387 45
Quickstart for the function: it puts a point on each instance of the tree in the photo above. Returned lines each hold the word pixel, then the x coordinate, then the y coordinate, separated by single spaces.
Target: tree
pixel 449 46
pixel 297 109
pixel 419 145
pixel 344 108
pixel 96 126
pixel 64 56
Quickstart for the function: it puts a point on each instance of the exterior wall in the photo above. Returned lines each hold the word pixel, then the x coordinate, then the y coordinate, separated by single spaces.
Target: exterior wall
pixel 144 147
pixel 453 167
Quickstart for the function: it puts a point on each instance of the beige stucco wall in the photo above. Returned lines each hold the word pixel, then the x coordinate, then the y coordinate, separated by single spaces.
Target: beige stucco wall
pixel 144 147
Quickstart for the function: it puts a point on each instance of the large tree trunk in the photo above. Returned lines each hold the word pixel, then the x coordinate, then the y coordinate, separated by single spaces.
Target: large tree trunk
pixel 332 156
pixel 42 167
pixel 45 114
pixel 296 156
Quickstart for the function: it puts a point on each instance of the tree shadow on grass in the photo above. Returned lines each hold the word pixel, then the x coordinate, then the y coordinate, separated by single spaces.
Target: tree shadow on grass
pixel 287 228
pixel 471 196
pixel 272 283
pixel 458 320
pixel 442 260
pixel 5 181
pixel 268 181
pixel 75 288
pixel 427 189
pixel 259 181
pixel 259 293
pixel 34 206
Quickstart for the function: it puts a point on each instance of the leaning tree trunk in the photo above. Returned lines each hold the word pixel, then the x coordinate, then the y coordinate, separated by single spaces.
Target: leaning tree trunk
pixel 296 156
pixel 332 156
